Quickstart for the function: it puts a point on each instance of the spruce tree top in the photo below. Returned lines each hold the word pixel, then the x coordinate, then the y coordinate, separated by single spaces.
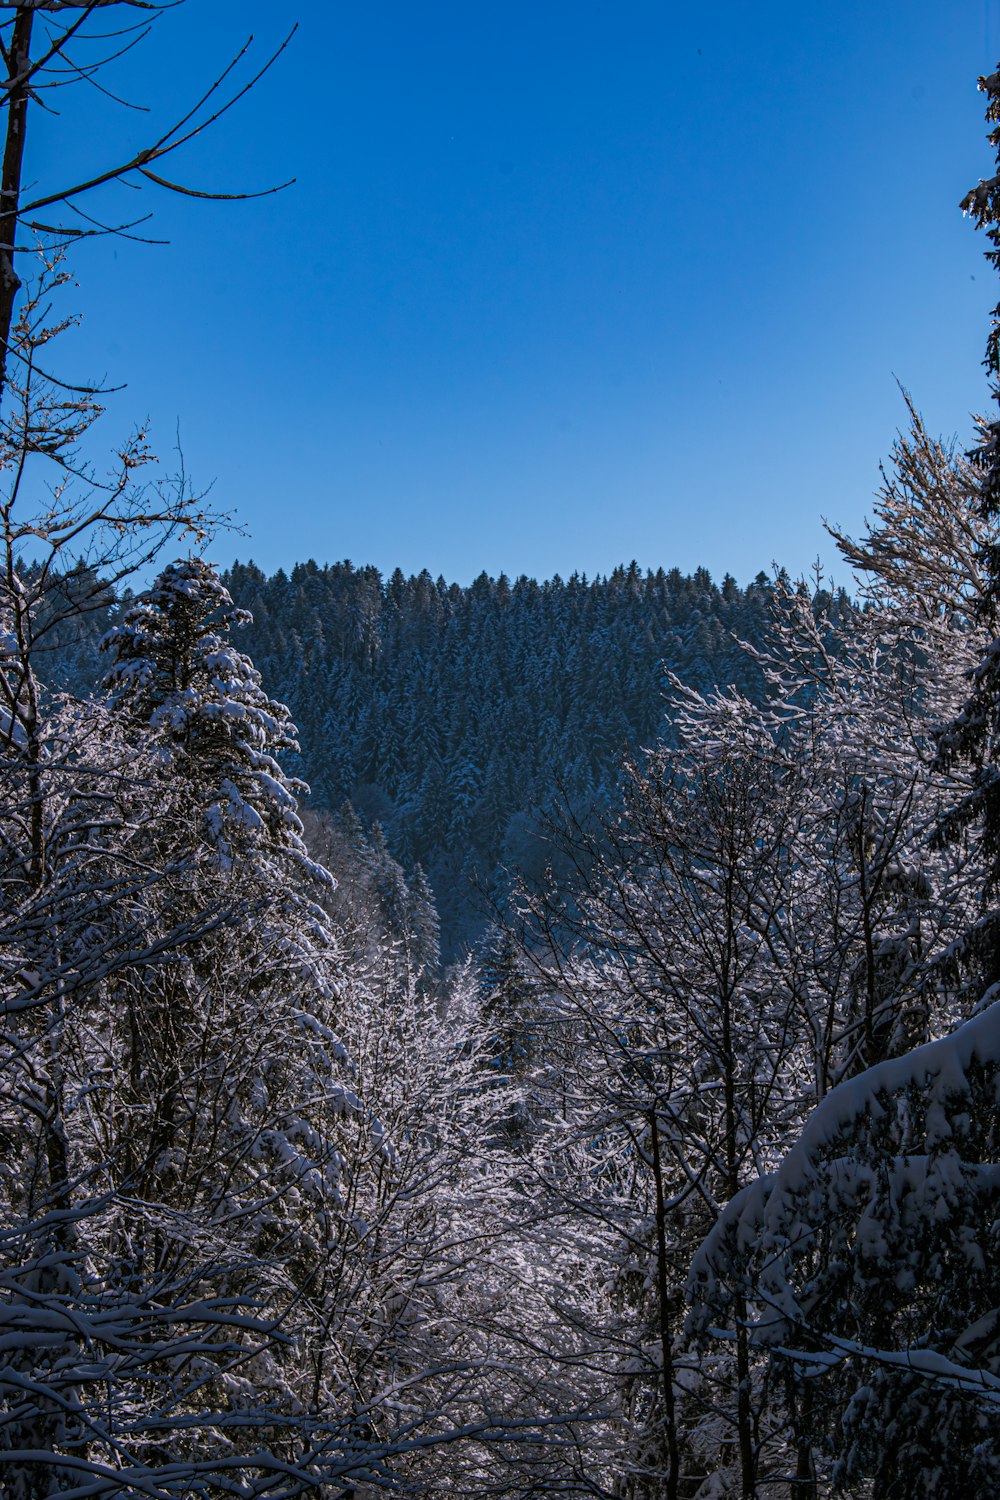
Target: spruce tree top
pixel 175 671
pixel 983 204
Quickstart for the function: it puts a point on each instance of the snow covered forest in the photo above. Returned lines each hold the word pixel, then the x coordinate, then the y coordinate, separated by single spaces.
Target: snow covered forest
pixel 452 717
pixel 674 1175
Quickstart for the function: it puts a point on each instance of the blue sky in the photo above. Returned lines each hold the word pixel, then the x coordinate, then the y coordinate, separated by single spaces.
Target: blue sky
pixel 559 284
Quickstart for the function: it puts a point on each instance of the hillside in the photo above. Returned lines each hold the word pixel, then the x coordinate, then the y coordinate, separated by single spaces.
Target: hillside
pixel 449 715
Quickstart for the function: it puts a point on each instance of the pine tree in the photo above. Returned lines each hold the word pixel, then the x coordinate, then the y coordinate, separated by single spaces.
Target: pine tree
pixel 226 1084
pixel 972 739
pixel 175 671
pixel 424 927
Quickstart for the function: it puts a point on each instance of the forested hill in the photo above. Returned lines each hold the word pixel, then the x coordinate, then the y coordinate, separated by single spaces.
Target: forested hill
pixel 449 714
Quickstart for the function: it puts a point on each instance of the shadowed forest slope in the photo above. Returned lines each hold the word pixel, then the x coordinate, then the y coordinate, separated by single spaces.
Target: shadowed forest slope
pixel 449 715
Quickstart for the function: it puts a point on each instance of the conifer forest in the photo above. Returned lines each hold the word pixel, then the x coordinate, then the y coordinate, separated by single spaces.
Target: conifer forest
pixel 515 1040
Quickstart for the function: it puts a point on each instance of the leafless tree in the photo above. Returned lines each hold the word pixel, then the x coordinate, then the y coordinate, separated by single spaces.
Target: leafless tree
pixel 43 48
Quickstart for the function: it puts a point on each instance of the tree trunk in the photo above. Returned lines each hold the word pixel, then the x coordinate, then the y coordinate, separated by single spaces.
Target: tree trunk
pixel 672 1479
pixel 18 94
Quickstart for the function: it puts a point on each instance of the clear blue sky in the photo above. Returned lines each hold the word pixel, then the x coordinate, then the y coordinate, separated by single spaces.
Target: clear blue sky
pixel 560 283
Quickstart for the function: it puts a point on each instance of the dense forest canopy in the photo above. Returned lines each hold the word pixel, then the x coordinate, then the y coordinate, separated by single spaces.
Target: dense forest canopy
pixel 453 715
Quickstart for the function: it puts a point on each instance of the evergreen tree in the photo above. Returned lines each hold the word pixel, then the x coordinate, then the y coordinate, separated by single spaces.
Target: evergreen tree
pixel 972 738
pixel 175 671
pixel 423 926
